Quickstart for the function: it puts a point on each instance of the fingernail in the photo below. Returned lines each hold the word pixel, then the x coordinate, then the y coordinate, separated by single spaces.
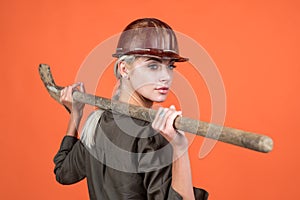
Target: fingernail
pixel 162 113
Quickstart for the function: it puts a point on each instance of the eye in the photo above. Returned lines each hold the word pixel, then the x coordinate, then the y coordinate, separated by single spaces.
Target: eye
pixel 171 66
pixel 153 66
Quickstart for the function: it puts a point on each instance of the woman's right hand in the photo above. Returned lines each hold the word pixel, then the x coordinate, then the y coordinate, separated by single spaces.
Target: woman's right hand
pixel 66 99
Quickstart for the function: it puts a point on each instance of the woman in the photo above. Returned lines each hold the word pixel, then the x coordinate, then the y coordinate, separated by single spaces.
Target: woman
pixel 125 158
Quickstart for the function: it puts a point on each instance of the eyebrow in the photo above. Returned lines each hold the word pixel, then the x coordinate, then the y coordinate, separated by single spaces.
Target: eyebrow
pixel 155 59
pixel 159 60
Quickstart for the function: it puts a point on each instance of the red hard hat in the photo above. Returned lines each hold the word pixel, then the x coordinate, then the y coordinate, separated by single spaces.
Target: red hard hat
pixel 149 37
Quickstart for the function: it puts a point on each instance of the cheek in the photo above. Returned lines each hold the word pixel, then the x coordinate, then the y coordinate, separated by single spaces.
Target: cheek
pixel 146 91
pixel 149 93
pixel 143 80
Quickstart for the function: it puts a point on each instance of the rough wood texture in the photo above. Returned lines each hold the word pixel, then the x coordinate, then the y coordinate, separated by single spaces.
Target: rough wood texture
pixel 233 136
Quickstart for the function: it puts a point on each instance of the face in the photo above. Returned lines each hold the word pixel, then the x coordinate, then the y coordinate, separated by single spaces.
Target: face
pixel 151 78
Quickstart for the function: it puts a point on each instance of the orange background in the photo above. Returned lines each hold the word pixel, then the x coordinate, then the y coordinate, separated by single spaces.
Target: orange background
pixel 255 45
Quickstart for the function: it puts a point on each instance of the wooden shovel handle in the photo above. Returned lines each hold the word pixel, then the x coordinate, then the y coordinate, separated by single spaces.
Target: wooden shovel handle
pixel 233 136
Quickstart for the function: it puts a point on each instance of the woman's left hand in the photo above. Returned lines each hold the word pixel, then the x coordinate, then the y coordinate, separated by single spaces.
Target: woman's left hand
pixel 163 123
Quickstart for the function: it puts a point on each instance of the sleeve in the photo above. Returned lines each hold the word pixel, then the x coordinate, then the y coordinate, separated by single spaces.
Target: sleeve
pixel 158 185
pixel 69 161
pixel 199 193
pixel 158 181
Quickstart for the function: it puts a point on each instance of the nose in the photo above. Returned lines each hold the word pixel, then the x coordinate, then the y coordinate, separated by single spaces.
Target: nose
pixel 166 74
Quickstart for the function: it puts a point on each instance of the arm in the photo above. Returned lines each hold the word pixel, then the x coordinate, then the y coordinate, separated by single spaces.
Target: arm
pixel 76 108
pixel 158 186
pixel 181 171
pixel 182 177
pixel 69 161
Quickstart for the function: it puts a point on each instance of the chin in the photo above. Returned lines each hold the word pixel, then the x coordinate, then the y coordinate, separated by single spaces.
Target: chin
pixel 160 99
pixel 154 98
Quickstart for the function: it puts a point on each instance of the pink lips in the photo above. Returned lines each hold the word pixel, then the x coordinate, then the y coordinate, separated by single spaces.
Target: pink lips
pixel 162 90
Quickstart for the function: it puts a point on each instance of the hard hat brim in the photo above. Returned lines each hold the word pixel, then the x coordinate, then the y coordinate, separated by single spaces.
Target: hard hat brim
pixel 158 53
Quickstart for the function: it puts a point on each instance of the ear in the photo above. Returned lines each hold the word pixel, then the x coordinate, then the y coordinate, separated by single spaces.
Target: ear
pixel 123 70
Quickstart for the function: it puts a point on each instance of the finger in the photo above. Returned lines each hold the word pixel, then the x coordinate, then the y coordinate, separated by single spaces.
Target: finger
pixel 159 118
pixel 62 92
pixel 171 119
pixel 70 89
pixel 173 112
pixel 75 85
pixel 68 94
pixel 164 119
pixel 180 132
pixel 172 107
pixel 162 113
pixel 82 88
pixel 156 118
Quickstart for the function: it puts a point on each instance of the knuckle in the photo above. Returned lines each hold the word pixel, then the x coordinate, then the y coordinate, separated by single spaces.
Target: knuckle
pixel 162 130
pixel 154 126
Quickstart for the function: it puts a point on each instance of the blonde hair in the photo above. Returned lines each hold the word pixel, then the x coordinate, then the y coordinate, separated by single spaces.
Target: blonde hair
pixel 129 59
pixel 87 136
